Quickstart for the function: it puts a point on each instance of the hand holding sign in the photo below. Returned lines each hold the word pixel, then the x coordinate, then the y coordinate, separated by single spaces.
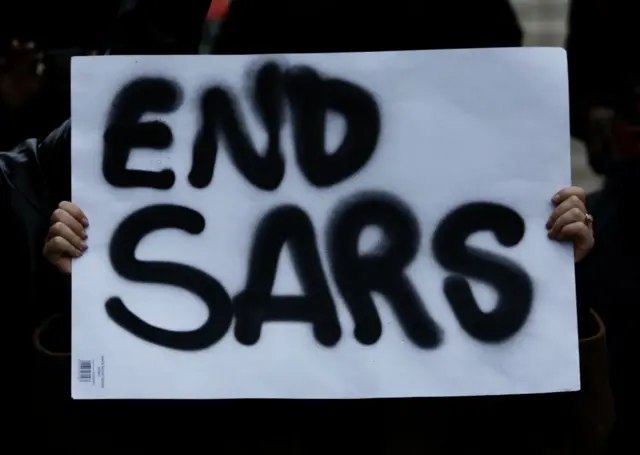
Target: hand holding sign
pixel 570 221
pixel 67 236
pixel 324 160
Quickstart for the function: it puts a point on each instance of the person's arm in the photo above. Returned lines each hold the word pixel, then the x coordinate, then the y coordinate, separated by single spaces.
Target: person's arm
pixel 25 208
pixel 38 172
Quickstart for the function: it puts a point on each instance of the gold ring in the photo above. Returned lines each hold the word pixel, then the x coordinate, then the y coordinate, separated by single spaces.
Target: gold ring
pixel 588 219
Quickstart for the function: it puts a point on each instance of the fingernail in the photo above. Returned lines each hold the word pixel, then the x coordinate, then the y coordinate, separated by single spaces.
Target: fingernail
pixel 77 253
pixel 83 234
pixel 556 198
pixel 84 246
pixel 548 225
pixel 550 234
pixel 85 222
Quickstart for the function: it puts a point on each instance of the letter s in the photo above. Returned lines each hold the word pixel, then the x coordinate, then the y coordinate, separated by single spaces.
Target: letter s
pixel 122 253
pixel 514 286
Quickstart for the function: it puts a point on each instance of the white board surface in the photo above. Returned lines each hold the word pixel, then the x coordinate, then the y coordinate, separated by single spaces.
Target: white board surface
pixel 477 138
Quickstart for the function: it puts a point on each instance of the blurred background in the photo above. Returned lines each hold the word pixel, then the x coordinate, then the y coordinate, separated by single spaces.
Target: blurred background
pixel 544 21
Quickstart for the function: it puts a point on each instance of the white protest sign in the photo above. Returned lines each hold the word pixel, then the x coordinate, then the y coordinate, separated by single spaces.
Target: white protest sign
pixel 322 226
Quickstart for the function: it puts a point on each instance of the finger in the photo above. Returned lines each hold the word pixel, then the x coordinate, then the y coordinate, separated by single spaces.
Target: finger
pixel 579 232
pixel 75 211
pixel 566 193
pixel 58 247
pixel 64 217
pixel 60 229
pixel 572 202
pixel 574 215
pixel 64 265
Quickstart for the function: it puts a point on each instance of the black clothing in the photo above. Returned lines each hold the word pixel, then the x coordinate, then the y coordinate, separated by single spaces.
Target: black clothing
pixel 609 282
pixel 33 178
pixel 604 69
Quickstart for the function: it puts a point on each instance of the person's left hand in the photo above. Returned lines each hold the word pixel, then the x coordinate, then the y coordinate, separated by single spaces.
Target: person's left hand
pixel 571 222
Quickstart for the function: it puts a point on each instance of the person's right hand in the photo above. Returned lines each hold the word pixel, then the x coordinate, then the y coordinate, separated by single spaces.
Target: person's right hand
pixel 67 236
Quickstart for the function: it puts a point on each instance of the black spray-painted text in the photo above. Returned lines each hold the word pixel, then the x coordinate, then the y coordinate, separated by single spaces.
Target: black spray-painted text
pixel 357 275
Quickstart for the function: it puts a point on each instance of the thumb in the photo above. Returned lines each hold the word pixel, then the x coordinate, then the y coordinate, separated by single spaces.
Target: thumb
pixel 581 248
pixel 64 264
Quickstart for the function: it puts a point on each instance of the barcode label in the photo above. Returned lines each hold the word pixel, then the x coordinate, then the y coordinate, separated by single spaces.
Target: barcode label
pixel 85 371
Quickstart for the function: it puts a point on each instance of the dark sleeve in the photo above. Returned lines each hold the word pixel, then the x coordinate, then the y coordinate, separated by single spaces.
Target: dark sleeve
pixel 54 157
pixel 26 203
pixel 589 272
pixel 38 172
pixel 584 296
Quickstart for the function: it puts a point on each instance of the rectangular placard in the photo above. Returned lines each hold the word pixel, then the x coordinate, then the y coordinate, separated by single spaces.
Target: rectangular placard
pixel 322 226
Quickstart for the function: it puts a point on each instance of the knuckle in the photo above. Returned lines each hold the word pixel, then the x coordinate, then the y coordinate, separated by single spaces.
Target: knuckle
pixel 58 226
pixel 57 215
pixel 58 242
pixel 577 213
